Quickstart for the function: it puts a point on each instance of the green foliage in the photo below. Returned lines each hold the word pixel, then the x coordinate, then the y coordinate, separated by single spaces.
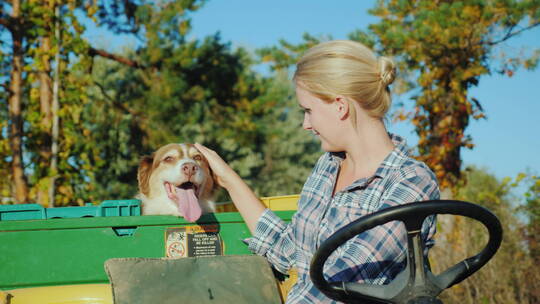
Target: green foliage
pixel 37 27
pixel 286 153
pixel 485 189
pixel 531 211
pixel 532 206
pixel 511 276
pixel 161 89
pixel 286 54
pixel 448 46
pixel 167 89
pixel 203 92
pixel 195 91
pixel 441 49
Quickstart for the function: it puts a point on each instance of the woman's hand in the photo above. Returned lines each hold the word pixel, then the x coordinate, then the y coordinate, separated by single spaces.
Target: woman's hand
pixel 245 200
pixel 224 174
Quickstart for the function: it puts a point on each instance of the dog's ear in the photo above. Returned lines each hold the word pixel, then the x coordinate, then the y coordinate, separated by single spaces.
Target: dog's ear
pixel 214 177
pixel 143 174
pixel 210 185
pixel 214 182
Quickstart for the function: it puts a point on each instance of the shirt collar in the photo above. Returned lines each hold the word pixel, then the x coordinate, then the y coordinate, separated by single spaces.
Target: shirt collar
pixel 393 160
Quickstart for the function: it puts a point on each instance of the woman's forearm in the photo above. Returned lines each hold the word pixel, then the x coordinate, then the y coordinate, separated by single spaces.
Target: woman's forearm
pixel 247 203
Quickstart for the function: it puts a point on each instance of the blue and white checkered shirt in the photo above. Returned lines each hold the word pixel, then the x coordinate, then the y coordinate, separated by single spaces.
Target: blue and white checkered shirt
pixel 376 256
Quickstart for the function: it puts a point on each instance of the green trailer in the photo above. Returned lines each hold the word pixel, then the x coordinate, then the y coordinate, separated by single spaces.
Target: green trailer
pixel 62 259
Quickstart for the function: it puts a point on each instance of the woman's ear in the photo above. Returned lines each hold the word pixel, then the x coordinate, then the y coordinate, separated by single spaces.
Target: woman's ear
pixel 342 106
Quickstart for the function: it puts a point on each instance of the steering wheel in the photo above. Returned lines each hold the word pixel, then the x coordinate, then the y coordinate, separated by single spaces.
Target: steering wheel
pixel 416 283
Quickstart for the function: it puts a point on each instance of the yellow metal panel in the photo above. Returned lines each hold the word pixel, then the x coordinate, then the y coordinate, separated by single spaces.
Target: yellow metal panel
pixel 65 294
pixel 286 285
pixel 275 203
pixel 281 203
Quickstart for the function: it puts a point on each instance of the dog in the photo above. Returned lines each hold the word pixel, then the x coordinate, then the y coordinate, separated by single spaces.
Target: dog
pixel 176 180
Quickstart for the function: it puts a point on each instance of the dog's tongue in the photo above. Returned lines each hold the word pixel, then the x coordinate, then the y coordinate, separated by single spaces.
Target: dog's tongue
pixel 188 203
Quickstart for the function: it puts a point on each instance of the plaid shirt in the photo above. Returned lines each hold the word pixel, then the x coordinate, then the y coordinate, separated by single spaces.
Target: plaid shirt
pixel 376 256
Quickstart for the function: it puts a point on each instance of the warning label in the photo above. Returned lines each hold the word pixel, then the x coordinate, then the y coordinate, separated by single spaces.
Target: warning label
pixel 193 241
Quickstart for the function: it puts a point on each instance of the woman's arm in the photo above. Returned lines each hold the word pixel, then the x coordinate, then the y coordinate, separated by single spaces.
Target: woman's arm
pixel 247 203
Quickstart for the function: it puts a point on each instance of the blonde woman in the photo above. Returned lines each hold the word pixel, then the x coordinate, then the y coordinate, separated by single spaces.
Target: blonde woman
pixel 342 87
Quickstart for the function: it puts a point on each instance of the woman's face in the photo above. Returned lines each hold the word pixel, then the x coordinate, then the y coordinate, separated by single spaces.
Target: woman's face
pixel 320 117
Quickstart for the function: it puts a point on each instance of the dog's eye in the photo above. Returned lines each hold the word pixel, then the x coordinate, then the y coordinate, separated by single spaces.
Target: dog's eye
pixel 169 159
pixel 197 157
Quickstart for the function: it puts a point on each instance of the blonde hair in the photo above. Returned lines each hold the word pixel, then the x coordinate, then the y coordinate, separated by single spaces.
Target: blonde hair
pixel 350 69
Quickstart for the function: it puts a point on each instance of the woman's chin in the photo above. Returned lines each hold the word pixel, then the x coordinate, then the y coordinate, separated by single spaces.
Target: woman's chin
pixel 329 148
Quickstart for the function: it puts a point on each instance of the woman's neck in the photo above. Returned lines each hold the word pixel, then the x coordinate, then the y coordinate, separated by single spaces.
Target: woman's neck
pixel 370 144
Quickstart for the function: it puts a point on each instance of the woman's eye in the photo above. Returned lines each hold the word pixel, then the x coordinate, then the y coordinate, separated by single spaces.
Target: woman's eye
pixel 169 159
pixel 197 157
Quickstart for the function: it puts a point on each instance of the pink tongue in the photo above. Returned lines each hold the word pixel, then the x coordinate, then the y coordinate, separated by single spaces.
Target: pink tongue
pixel 188 203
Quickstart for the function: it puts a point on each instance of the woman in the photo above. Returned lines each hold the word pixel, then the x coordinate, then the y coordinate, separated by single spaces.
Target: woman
pixel 343 90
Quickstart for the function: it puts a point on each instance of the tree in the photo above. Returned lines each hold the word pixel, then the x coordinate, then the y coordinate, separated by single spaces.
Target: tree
pixel 125 105
pixel 511 276
pixel 16 26
pixel 287 153
pixel 442 48
pixel 202 92
pixel 531 230
pixel 532 211
pixel 446 46
pixel 28 56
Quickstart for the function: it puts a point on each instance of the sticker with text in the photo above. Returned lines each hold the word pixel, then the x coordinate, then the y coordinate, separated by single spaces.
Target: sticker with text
pixel 193 241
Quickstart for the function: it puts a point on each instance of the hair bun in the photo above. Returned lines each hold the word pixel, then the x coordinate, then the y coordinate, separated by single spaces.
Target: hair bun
pixel 387 70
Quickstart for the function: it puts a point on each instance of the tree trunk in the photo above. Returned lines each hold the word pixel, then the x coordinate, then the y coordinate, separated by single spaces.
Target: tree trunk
pixel 45 97
pixel 443 137
pixel 45 101
pixel 15 108
pixel 55 107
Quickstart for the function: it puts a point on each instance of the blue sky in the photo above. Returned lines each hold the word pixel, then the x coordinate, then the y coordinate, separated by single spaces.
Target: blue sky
pixel 507 142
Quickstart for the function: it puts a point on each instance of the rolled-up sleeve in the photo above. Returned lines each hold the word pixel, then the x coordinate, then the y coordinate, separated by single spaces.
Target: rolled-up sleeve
pixel 273 239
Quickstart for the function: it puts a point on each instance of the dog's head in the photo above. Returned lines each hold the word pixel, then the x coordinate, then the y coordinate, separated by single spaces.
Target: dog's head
pixel 178 173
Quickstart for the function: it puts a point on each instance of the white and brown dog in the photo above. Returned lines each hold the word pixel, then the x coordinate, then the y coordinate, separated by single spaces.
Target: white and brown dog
pixel 176 180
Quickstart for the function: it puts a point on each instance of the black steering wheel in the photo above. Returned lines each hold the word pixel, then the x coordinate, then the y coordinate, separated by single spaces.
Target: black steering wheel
pixel 416 283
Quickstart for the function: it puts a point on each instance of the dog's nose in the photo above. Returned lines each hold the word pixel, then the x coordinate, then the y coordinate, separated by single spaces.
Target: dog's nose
pixel 189 169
